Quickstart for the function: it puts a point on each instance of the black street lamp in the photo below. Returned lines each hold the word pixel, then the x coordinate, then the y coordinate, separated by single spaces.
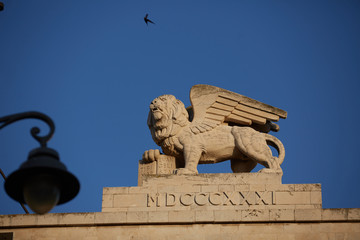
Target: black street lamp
pixel 42 181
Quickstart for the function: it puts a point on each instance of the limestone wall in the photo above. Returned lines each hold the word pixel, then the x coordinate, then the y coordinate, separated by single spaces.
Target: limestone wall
pixel 339 224
pixel 205 206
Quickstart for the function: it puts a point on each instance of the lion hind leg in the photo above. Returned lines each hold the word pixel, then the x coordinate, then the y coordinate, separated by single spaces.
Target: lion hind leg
pixel 238 166
pixel 253 144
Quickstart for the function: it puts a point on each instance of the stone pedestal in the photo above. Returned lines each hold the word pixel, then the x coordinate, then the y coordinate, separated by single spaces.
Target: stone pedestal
pixel 223 196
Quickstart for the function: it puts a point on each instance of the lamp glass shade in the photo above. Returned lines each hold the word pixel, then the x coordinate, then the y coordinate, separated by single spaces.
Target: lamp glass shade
pixel 42 181
pixel 41 193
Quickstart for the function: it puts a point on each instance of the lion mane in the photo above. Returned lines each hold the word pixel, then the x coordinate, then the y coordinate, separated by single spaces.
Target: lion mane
pixel 167 116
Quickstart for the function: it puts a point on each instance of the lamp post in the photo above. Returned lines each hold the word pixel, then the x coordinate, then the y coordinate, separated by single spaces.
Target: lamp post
pixel 42 181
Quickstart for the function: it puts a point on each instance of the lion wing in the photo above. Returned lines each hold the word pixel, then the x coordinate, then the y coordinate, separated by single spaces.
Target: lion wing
pixel 212 106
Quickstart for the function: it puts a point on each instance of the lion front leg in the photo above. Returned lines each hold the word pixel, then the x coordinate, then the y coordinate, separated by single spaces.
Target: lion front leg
pixel 192 156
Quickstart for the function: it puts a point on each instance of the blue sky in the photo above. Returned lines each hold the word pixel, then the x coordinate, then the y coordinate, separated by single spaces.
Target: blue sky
pixel 94 67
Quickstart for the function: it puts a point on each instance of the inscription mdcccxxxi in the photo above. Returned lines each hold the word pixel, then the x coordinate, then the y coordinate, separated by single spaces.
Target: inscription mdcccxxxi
pixel 211 199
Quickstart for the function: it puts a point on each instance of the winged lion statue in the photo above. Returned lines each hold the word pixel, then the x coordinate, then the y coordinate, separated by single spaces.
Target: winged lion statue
pixel 220 125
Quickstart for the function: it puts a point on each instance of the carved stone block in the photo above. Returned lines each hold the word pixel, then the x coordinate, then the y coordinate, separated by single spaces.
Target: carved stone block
pixel 164 165
pixel 215 192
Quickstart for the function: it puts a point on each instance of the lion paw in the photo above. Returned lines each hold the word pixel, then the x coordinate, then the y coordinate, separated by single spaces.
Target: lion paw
pixel 185 171
pixel 151 155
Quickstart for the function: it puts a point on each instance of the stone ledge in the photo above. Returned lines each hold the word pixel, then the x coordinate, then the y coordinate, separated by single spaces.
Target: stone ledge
pixel 212 178
pixel 174 217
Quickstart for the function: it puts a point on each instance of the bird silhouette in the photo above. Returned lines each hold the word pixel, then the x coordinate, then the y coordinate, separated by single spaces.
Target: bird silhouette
pixel 147 20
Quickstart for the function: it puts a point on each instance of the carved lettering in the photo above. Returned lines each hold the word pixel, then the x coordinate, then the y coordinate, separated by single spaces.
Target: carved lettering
pixel 186 199
pixel 229 198
pixel 211 199
pixel 170 199
pixel 147 168
pixel 201 199
pixel 215 198
pixel 165 165
pixel 246 197
pixel 260 198
pixel 153 200
pixel 273 198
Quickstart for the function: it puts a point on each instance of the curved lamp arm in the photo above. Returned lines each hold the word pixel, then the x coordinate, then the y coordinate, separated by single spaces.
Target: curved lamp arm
pixel 42 172
pixel 6 120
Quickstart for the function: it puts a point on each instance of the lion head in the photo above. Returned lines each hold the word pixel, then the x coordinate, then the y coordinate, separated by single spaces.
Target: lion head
pixel 167 116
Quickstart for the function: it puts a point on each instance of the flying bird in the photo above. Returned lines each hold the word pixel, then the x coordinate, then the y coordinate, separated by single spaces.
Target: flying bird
pixel 147 20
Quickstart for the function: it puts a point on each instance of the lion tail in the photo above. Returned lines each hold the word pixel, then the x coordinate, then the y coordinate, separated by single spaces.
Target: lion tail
pixel 277 144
